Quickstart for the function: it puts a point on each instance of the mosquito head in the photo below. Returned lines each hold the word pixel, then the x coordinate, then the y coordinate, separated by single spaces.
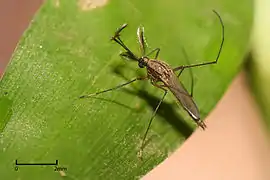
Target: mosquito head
pixel 142 62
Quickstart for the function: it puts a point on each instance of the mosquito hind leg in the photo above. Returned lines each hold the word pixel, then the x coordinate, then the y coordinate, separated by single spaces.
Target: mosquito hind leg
pixel 181 68
pixel 151 119
pixel 192 81
pixel 219 51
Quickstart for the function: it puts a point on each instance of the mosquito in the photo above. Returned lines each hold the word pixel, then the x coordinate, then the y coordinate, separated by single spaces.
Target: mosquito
pixel 161 75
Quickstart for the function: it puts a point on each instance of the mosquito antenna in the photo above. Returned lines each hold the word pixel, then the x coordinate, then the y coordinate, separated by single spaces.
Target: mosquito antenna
pixel 117 32
pixel 118 40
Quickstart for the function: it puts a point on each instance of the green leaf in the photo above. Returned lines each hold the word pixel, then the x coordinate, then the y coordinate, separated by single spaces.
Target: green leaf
pixel 259 58
pixel 66 53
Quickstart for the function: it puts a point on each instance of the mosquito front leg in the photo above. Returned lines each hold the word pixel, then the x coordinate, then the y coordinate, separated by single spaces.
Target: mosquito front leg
pixel 117 87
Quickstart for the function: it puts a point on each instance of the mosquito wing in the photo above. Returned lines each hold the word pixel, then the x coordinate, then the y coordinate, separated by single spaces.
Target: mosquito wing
pixel 183 97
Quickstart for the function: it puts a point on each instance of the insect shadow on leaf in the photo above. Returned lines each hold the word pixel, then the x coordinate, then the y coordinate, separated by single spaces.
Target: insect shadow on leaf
pixel 161 75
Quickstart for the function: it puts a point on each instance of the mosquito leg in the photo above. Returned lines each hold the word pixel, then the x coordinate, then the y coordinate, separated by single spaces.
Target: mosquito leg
pixel 117 87
pixel 181 68
pixel 180 72
pixel 163 88
pixel 152 117
pixel 197 121
pixel 194 65
pixel 150 122
pixel 219 51
pixel 157 50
